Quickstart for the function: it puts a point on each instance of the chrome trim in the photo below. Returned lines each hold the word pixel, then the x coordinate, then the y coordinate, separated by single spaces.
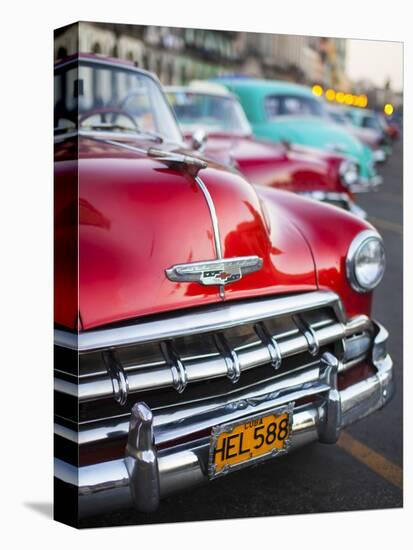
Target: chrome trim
pixel 380 344
pixel 271 343
pixel 329 429
pixel 348 165
pixel 359 240
pixel 366 185
pixel 99 430
pixel 191 163
pixel 141 460
pixel 309 334
pixel 199 140
pixel 66 339
pixel 230 357
pixel 228 363
pixel 106 486
pixel 207 319
pixel 177 422
pixel 178 370
pixel 207 273
pixel 118 377
pixel 215 226
pixel 357 346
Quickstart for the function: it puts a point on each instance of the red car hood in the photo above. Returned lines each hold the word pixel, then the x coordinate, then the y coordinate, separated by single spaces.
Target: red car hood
pixel 225 147
pixel 138 217
pixel 284 166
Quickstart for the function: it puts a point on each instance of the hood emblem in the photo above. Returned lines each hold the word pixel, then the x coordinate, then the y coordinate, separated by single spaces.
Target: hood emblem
pixel 192 164
pixel 215 272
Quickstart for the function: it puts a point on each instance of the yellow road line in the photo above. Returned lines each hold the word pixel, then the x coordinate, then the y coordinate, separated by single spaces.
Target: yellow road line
pixel 385 224
pixel 373 460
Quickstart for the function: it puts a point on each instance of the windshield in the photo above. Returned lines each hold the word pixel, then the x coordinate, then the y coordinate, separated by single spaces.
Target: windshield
pixel 371 122
pixel 339 118
pixel 213 113
pixel 100 97
pixel 291 105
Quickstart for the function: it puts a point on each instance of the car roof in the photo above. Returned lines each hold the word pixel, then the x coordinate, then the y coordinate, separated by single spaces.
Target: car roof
pixel 362 112
pixel 265 86
pixel 203 87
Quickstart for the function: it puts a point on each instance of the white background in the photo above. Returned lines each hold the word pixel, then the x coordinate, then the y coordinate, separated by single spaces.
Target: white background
pixel 26 315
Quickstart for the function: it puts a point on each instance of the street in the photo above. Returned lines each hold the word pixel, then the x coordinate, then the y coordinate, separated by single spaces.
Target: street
pixel 364 470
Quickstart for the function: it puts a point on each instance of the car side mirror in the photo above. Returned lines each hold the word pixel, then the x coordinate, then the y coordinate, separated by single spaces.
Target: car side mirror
pixel 199 139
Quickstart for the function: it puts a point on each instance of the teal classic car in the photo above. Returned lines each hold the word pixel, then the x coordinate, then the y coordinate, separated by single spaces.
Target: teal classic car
pixel 282 111
pixel 368 119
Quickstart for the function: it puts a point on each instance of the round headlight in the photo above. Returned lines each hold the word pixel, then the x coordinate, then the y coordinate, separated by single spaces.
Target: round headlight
pixel 366 262
pixel 349 172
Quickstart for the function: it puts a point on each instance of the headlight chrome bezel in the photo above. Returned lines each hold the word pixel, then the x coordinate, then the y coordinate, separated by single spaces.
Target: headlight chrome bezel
pixel 354 250
pixel 349 166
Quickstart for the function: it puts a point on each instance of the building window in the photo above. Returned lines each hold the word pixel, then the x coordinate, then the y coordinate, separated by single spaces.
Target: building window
pixel 96 48
pixel 115 51
pixel 61 53
pixel 158 66
pixel 170 72
pixel 183 74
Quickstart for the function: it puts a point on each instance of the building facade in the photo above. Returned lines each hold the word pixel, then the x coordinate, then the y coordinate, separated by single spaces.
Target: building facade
pixel 179 55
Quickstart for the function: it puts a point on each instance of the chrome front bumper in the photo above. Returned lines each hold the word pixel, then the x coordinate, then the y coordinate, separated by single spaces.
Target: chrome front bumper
pixel 147 475
pixel 366 185
pixel 379 155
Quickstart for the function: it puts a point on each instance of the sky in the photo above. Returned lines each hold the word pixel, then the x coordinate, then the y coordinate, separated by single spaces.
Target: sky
pixel 376 61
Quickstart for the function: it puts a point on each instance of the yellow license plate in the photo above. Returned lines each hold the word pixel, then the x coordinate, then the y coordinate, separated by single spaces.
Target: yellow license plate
pixel 255 438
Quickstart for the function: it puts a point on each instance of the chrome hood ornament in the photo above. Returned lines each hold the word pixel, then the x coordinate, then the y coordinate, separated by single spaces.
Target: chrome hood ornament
pixel 215 272
pixel 192 164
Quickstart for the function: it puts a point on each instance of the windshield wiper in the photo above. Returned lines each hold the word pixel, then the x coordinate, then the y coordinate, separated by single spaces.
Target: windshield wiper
pixel 141 133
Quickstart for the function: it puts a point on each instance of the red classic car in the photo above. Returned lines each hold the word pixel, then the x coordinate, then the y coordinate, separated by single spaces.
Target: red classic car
pixel 209 107
pixel 203 324
pixel 392 128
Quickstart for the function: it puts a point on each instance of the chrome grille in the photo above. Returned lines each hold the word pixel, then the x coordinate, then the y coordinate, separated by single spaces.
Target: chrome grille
pixel 218 342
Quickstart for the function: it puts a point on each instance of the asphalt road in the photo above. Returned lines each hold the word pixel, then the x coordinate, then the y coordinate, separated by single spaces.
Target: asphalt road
pixel 364 471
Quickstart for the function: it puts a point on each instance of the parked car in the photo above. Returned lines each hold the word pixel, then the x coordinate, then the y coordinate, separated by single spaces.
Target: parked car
pixel 372 137
pixel 228 138
pixel 396 121
pixel 368 119
pixel 282 111
pixel 392 127
pixel 203 324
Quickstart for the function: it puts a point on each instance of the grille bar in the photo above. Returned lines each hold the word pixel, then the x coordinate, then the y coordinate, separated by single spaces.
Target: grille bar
pixel 176 422
pixel 228 363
